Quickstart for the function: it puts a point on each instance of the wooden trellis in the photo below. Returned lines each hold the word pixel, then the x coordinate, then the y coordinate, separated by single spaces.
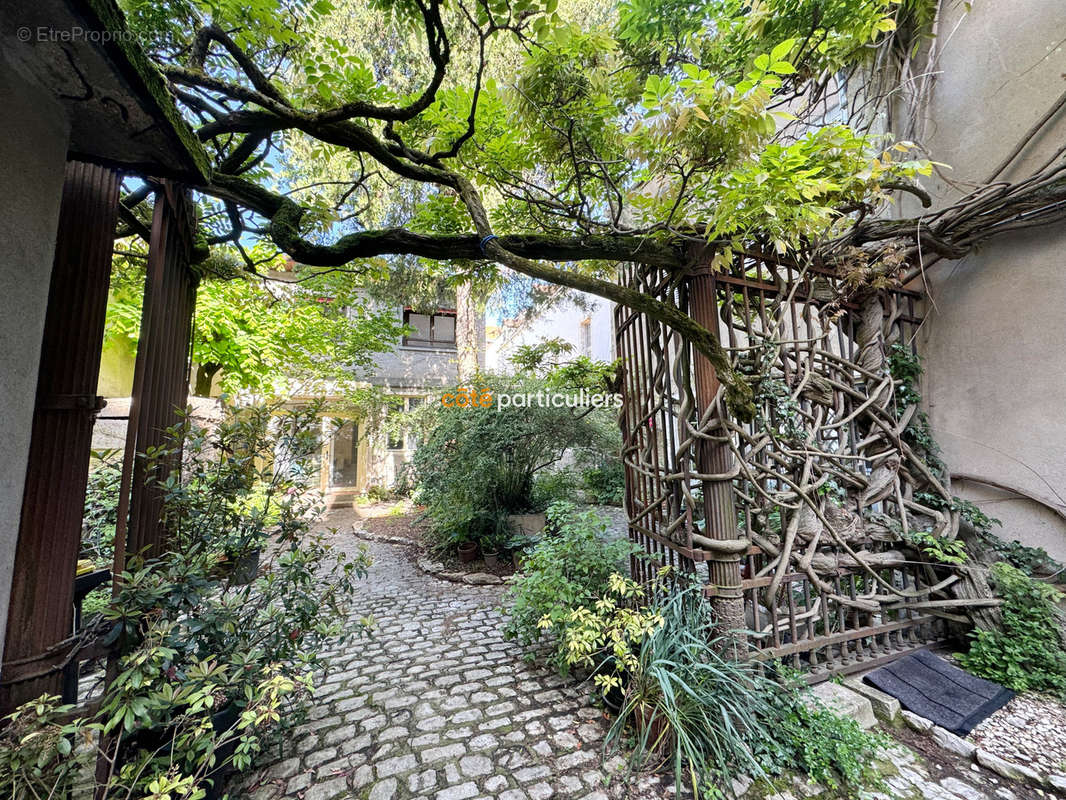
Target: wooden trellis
pixel 797 524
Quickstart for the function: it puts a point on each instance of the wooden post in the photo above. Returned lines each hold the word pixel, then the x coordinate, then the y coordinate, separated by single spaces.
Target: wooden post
pixel 716 458
pixel 161 371
pixel 41 614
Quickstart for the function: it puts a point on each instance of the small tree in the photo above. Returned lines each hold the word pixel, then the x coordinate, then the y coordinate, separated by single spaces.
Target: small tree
pixel 263 336
pixel 479 462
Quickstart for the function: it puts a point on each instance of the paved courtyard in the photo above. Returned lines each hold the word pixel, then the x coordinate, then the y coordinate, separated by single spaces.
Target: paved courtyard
pixel 437 705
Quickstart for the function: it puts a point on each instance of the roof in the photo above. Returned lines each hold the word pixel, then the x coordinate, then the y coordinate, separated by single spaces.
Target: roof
pixel 120 110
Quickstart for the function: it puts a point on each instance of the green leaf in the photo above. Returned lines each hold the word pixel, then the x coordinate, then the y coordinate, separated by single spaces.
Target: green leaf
pixel 782 50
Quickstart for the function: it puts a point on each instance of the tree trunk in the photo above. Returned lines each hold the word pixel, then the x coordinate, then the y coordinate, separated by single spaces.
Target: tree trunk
pixel 205 376
pixel 468 330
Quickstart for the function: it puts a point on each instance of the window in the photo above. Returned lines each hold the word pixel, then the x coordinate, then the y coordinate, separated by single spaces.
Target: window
pixel 430 330
pixel 414 438
pixel 586 337
pixel 405 439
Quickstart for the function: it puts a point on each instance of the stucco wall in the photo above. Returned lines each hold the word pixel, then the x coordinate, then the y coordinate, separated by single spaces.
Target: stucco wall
pixel 560 321
pixel 995 331
pixel 33 149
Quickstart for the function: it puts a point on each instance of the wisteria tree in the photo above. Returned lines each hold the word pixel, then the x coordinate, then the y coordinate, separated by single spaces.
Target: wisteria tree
pixel 559 139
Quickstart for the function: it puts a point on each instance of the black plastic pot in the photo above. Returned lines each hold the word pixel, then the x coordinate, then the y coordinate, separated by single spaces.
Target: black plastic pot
pixel 222 720
pixel 245 568
pixel 615 697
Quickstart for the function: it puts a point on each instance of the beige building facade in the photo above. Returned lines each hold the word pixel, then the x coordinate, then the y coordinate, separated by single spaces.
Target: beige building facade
pixel 994 336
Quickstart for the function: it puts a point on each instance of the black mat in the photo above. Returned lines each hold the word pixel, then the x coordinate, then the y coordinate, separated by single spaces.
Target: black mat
pixel 929 686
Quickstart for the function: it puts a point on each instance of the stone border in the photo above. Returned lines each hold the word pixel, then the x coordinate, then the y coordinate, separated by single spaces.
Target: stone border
pixel 437 570
pixel 363 533
pixel 428 566
pixel 947 740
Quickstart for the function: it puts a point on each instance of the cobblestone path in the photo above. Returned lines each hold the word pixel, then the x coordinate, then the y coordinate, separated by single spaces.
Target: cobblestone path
pixel 437 705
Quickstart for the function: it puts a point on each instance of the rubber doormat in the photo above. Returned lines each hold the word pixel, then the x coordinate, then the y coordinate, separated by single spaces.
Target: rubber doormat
pixel 929 686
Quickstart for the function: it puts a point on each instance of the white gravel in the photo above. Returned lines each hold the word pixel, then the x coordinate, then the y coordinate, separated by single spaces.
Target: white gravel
pixel 1030 730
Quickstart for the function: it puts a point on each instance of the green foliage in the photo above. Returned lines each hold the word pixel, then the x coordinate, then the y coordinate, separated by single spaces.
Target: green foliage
pixel 1026 653
pixel 40 755
pixel 101 506
pixel 567 569
pixel 479 462
pixel 938 548
pixel 827 35
pixel 685 700
pixel 688 702
pixel 209 665
pixel 905 366
pixel 1030 560
pixel 690 706
pixel 553 485
pixel 605 482
pixel 616 622
pixel 830 749
pixel 267 337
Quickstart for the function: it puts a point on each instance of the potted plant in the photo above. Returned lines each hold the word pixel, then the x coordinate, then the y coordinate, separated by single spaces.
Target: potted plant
pixel 490 551
pixel 467 551
pixel 517 545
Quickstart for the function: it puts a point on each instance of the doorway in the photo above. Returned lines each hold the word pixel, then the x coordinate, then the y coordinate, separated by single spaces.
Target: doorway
pixel 344 457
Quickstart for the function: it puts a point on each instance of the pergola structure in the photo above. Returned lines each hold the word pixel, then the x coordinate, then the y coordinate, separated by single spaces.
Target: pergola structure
pixel 798 523
pixel 84 94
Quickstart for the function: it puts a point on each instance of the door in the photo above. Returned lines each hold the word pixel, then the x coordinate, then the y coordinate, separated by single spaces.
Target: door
pixel 344 456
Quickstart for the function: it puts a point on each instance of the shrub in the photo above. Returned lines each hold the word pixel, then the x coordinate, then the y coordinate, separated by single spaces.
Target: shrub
pixel 479 463
pixel 101 506
pixel 605 482
pixel 554 485
pixel 37 751
pixel 829 748
pixel 1026 653
pixel 567 569
pixel 206 666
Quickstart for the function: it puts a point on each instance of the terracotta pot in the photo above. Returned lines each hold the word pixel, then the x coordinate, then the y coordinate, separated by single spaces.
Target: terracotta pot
pixel 467 552
pixel 492 559
pixel 644 719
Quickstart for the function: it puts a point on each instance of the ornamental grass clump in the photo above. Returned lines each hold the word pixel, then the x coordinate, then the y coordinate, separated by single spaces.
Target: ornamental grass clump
pixel 687 702
pixel 688 706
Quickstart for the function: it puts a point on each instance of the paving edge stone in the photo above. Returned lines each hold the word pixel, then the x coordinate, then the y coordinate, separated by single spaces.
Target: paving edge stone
pixel 846 702
pixel 886 707
pixel 430 567
pixel 363 533
pixel 955 745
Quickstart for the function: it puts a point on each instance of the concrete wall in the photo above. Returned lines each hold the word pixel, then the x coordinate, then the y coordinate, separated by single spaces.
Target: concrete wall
pixel 995 333
pixel 33 148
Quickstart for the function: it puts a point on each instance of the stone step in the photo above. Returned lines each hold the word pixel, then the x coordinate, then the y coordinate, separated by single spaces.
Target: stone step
pixel 886 707
pixel 846 702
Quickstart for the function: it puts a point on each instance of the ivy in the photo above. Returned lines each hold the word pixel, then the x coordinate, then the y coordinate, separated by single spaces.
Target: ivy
pixel 1026 653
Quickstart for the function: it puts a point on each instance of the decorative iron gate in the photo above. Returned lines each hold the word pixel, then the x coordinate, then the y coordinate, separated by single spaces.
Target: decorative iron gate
pixel 796 524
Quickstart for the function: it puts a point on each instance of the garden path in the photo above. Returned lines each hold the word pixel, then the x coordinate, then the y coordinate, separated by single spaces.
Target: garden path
pixel 436 705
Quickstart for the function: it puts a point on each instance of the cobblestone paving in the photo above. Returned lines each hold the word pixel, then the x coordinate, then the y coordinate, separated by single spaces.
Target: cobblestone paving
pixel 437 705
